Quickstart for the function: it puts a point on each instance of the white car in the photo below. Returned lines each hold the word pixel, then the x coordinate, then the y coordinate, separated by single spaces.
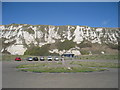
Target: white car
pixel 29 59
pixel 42 58
pixel 56 58
pixel 49 58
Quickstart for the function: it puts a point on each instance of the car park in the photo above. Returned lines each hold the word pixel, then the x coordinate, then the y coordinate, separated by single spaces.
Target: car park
pixel 42 58
pixel 29 59
pixel 17 59
pixel 35 58
pixel 49 58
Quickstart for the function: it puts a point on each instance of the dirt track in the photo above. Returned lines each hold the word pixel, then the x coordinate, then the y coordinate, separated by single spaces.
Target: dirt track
pixel 12 78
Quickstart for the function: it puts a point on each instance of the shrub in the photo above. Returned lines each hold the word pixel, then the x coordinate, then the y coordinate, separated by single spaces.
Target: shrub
pixel 96 51
pixel 54 54
pixel 29 30
pixel 35 50
pixel 85 44
pixel 66 45
pixel 84 52
pixel 112 46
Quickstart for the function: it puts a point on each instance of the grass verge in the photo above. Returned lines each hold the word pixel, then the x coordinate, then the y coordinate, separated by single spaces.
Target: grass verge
pixel 98 57
pixel 62 69
pixel 73 66
pixel 38 65
pixel 96 64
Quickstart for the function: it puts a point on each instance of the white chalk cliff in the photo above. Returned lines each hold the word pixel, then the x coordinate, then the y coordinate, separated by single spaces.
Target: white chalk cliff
pixel 15 37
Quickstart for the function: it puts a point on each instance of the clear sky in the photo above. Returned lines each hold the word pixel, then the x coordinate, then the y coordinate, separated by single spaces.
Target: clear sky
pixel 93 14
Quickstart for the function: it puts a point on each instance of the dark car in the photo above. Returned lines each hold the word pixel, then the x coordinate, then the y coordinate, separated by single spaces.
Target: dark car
pixel 29 59
pixel 17 59
pixel 42 58
pixel 35 58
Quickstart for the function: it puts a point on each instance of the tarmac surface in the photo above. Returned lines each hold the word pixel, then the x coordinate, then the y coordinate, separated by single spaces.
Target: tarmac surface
pixel 13 78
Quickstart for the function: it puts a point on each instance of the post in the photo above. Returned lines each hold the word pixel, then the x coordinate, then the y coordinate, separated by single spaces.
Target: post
pixel 63 61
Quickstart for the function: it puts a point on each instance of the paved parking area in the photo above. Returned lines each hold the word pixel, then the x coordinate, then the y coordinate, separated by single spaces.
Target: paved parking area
pixel 12 78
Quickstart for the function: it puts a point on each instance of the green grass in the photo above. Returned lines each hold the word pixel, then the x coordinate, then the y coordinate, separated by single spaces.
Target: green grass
pixel 96 64
pixel 81 67
pixel 38 65
pixel 62 69
pixel 98 57
pixel 76 66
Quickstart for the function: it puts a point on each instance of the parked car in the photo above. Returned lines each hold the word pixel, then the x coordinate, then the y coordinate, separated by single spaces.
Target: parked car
pixel 56 59
pixel 17 59
pixel 35 58
pixel 29 59
pixel 49 58
pixel 42 58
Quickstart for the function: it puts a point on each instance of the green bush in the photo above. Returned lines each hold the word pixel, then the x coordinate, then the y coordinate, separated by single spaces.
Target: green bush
pixel 85 44
pixel 66 45
pixel 84 52
pixel 54 54
pixel 30 30
pixel 112 46
pixel 96 51
pixel 35 50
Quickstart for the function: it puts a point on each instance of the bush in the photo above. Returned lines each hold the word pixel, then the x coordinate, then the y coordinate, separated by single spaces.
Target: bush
pixel 35 50
pixel 84 52
pixel 96 51
pixel 85 44
pixel 66 45
pixel 113 46
pixel 54 54
pixel 29 30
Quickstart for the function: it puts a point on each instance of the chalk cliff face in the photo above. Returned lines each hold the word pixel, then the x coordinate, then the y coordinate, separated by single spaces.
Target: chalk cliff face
pixel 16 38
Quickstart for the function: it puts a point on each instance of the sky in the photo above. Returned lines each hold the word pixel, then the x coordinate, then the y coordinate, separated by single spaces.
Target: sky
pixel 93 14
